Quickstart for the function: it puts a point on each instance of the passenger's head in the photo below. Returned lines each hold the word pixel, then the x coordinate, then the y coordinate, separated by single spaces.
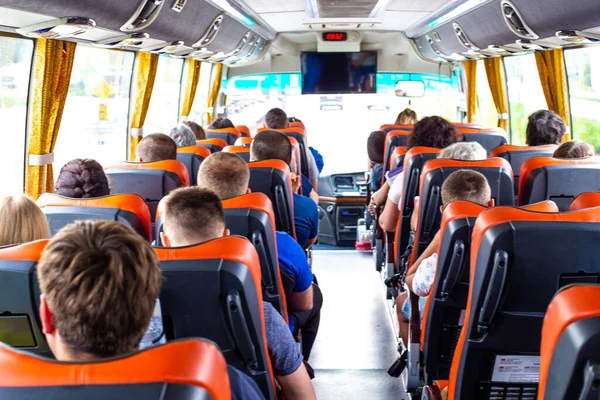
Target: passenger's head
pixel 407 117
pixel 271 145
pixel 467 151
pixel 433 132
pixel 82 179
pixel 545 127
pixel 192 215
pixel 226 174
pixel 99 282
pixel 21 221
pixel 276 118
pixel 221 123
pixel 197 129
pixel 376 146
pixel 574 149
pixel 466 185
pixel 183 136
pixel 157 147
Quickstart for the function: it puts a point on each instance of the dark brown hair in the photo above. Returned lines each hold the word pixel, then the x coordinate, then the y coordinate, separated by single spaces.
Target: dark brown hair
pixel 276 118
pixel 271 145
pixel 194 214
pixel 545 127
pixel 376 146
pixel 82 179
pixel 157 147
pixel 221 123
pixel 433 132
pixel 574 149
pixel 466 185
pixel 226 174
pixel 197 129
pixel 101 281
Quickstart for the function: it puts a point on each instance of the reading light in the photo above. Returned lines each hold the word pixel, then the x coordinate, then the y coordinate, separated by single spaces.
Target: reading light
pixel 58 28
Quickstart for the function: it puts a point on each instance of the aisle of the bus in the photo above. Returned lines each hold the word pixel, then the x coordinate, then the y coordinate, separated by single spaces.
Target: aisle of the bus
pixel 355 345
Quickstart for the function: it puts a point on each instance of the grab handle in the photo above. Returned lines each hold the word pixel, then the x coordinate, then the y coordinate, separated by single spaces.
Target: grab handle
pixel 495 288
pixel 456 262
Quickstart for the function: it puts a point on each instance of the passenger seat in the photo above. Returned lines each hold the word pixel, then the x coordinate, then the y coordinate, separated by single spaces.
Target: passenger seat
pixel 229 135
pixel 489 139
pixel 192 157
pixel 191 368
pixel 241 151
pixel 243 130
pixel 128 209
pixel 213 145
pixel 244 142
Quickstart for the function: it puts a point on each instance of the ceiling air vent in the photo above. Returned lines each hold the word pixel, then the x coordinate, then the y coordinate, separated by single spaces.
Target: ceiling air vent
pixel 463 39
pixel 515 21
pixel 574 36
pixel 143 16
pixel 435 49
pixel 58 28
pixel 132 40
pixel 166 48
pixel 211 33
pixel 240 45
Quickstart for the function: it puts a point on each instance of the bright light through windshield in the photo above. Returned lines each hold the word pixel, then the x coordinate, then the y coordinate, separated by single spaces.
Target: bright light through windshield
pixel 338 125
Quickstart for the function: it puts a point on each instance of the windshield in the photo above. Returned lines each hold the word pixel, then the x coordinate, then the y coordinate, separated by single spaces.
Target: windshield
pixel 338 125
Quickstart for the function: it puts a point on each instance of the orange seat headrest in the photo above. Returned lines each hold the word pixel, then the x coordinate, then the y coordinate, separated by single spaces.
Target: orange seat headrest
pixel 585 200
pixel 173 166
pixel 126 202
pixel 212 141
pixel 505 148
pixel 232 131
pixel 197 150
pixel 236 149
pixel 243 141
pixel 244 130
pixel 31 251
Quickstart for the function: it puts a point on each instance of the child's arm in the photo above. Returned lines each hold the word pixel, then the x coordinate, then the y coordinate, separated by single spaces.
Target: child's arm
pixel 429 251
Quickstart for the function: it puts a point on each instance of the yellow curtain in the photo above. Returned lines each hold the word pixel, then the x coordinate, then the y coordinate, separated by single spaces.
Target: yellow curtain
pixel 213 94
pixel 493 70
pixel 146 74
pixel 193 77
pixel 551 68
pixel 53 66
pixel 471 72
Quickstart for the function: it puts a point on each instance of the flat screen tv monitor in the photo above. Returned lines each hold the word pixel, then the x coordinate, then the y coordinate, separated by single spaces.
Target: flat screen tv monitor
pixel 339 73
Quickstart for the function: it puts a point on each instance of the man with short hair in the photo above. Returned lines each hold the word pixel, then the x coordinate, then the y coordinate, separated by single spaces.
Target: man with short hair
pixel 194 215
pixel 545 127
pixel 273 145
pixel 157 147
pixel 276 118
pixel 228 176
pixel 99 282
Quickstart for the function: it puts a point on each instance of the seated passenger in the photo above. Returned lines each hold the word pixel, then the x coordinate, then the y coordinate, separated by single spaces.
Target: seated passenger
pixel 407 117
pixel 195 215
pixel 156 147
pixel 545 127
pixel 82 179
pixel 221 123
pixel 197 129
pixel 574 149
pixel 228 176
pixel 21 221
pixel 376 151
pixel 430 132
pixel 272 145
pixel 183 136
pixel 99 282
pixel 314 166
pixel 464 185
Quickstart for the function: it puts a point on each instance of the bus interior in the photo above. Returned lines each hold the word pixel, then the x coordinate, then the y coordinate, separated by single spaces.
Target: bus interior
pixel 511 310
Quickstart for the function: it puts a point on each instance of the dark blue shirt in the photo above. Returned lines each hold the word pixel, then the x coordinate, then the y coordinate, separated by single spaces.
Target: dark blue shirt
pixel 307 187
pixel 376 177
pixel 242 386
pixel 292 260
pixel 306 219
pixel 283 351
pixel 318 159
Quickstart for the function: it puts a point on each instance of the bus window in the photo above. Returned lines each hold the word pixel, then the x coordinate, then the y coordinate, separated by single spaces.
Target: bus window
pixel 584 92
pixel 15 70
pixel 332 120
pixel 525 93
pixel 163 112
pixel 487 115
pixel 198 113
pixel 95 119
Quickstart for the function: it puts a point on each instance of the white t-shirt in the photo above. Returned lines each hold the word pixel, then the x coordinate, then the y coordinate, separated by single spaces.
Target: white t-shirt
pixel 396 188
pixel 425 275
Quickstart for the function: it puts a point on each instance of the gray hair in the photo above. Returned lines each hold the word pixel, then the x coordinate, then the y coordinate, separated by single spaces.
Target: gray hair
pixel 466 151
pixel 183 136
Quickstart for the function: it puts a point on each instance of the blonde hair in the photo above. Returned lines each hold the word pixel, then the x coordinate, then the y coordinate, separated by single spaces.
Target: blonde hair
pixel 574 149
pixel 466 151
pixel 21 221
pixel 407 117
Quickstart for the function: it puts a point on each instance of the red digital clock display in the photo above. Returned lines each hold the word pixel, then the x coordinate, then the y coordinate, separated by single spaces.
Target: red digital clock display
pixel 335 36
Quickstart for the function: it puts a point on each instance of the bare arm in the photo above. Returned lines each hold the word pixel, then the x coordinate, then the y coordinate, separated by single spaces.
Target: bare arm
pixel 302 301
pixel 297 385
pixel 429 251
pixel 389 216
pixel 313 195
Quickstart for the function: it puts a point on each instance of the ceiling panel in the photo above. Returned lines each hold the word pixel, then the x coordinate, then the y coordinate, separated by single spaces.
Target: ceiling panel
pixel 400 20
pixel 286 22
pixel 417 5
pixel 270 6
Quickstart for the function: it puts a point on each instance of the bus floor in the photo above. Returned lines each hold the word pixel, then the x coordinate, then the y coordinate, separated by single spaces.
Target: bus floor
pixel 356 341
